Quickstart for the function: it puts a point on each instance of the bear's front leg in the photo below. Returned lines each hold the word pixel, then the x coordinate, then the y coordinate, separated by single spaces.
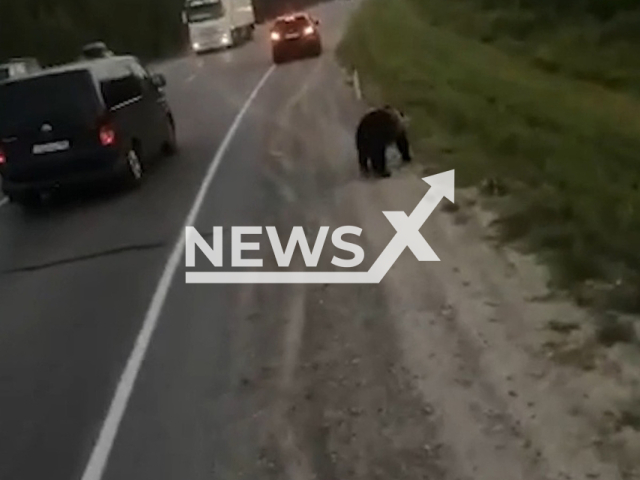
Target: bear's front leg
pixel 402 143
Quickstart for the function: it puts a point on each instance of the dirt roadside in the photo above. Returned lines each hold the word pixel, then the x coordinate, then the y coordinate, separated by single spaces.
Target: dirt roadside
pixel 474 333
pixel 469 368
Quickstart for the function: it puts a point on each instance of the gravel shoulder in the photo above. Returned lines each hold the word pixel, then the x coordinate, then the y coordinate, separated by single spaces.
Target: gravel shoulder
pixel 466 368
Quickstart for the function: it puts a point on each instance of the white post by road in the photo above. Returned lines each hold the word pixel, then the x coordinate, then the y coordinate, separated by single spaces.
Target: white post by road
pixel 356 84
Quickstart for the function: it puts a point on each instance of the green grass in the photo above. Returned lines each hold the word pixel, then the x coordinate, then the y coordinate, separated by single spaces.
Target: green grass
pixel 575 43
pixel 570 149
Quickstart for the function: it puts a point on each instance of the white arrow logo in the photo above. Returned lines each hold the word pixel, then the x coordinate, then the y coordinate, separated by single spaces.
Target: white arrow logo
pixel 407 236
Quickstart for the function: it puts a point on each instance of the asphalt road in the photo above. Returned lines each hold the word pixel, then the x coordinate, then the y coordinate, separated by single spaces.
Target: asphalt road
pixel 112 368
pixel 77 279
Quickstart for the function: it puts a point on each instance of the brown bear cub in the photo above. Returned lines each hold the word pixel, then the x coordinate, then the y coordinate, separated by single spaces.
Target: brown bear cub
pixel 376 131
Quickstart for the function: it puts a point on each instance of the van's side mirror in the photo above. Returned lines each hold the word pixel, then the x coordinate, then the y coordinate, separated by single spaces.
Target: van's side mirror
pixel 317 22
pixel 158 80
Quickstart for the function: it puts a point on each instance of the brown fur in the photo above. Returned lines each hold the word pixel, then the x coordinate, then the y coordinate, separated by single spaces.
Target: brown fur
pixel 377 130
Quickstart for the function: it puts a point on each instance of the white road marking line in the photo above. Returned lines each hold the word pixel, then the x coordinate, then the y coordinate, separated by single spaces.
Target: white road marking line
pixel 191 78
pixel 100 455
pixel 3 201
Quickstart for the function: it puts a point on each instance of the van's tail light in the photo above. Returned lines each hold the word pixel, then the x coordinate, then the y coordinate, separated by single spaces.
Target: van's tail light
pixel 106 130
pixel 107 135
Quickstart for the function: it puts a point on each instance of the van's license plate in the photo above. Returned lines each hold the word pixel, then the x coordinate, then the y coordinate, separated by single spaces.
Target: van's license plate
pixel 51 147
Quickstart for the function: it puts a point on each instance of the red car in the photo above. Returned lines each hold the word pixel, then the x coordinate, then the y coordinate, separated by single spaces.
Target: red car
pixel 295 35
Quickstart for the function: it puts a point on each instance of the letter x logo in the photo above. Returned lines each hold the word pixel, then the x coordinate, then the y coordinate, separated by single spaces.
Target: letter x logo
pixel 408 227
pixel 408 231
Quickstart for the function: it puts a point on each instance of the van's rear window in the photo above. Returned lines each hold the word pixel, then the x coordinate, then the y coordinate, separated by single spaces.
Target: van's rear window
pixel 66 96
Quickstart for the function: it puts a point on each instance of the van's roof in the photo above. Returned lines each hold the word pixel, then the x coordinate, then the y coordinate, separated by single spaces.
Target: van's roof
pixel 91 64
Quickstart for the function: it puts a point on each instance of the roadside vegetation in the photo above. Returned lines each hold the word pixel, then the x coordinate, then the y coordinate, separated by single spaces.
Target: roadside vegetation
pixel 539 98
pixel 54 31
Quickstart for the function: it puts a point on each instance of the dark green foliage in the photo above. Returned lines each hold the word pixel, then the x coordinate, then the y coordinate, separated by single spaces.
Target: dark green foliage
pixel 54 30
pixel 603 9
pixel 591 40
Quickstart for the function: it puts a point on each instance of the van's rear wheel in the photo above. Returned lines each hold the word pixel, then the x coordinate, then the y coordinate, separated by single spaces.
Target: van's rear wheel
pixel 134 172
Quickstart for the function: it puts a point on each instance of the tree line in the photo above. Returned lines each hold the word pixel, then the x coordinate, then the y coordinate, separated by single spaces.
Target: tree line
pixel 620 18
pixel 54 30
pixel 599 9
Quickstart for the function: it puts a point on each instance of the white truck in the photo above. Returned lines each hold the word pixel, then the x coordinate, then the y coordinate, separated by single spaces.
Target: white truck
pixel 216 24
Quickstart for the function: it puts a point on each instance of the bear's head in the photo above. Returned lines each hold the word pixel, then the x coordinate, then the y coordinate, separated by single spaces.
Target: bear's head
pixel 398 115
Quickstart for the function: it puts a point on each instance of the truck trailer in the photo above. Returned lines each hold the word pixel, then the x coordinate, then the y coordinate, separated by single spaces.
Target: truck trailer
pixel 218 24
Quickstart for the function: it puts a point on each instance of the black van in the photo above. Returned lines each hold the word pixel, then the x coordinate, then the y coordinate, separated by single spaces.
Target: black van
pixel 79 123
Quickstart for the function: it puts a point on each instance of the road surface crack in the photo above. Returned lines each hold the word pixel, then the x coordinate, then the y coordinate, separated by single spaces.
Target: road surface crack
pixel 83 258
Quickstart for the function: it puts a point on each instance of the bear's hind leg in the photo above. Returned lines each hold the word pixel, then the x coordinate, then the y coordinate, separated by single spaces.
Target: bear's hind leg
pixel 363 161
pixel 379 161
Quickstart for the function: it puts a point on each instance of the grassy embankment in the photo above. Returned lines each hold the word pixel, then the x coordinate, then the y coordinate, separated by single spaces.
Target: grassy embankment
pixel 549 109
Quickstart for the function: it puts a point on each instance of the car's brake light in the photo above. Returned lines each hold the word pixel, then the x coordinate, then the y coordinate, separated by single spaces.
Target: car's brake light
pixel 275 36
pixel 308 30
pixel 3 157
pixel 107 135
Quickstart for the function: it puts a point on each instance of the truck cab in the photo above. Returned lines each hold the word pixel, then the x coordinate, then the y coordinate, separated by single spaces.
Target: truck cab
pixel 217 24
